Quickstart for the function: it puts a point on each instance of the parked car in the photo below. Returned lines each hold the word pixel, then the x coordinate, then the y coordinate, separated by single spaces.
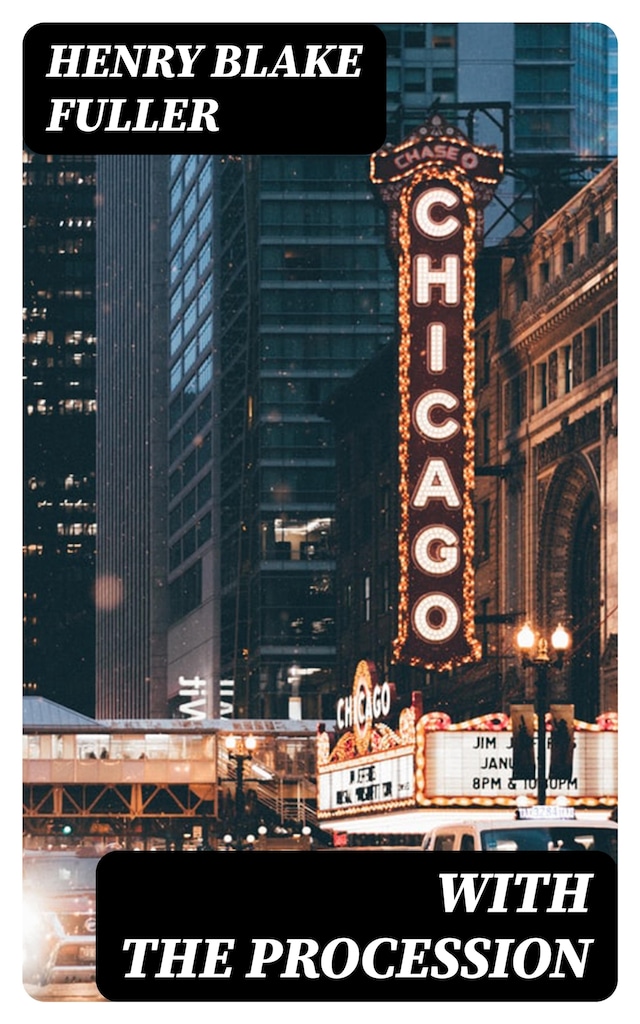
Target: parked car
pixel 537 832
pixel 59 941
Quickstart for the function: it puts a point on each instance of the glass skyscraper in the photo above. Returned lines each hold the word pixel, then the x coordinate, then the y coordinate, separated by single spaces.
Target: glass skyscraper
pixel 193 649
pixel 59 341
pixel 306 296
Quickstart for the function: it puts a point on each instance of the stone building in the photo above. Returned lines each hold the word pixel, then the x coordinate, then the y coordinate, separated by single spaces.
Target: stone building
pixel 546 512
pixel 546 473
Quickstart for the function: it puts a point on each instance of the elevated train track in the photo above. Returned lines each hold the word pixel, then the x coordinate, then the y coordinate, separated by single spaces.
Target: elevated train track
pixel 152 781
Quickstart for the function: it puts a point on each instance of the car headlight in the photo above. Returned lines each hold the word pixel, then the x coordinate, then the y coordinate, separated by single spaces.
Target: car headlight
pixel 35 927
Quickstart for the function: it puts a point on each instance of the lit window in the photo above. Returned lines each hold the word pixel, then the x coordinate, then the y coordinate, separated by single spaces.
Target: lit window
pixel 367 598
pixel 443 37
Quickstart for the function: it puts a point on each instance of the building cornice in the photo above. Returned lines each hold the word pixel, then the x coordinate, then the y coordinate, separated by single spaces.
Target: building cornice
pixel 538 318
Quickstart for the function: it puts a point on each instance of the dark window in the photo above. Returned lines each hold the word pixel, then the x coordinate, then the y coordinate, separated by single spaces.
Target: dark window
pixel 365 519
pixel 443 80
pixel 185 593
pixel 591 351
pixel 204 490
pixel 593 232
pixel 175 555
pixel 175 519
pixel 541 382
pixel 175 411
pixel 385 588
pixel 385 507
pixel 545 129
pixel 484 531
pixel 543 41
pixel 189 543
pixel 414 36
pixel 175 447
pixel 203 529
pixel 516 400
pixel 485 437
pixel 567 254
pixel 486 356
pixel 203 450
pixel 522 290
pixel 175 483
pixel 414 80
pixel 204 411
pixel 577 360
pixel 606 338
pixel 364 453
pixel 567 367
pixel 553 376
pixel 484 638
pixel 189 430
pixel 542 86
pixel 392 36
pixel 189 505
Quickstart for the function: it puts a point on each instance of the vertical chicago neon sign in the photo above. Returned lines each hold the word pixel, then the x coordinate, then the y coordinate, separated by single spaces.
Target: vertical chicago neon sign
pixel 436 184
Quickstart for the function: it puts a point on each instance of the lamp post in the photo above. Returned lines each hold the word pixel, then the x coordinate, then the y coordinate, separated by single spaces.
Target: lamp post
pixel 239 750
pixel 535 654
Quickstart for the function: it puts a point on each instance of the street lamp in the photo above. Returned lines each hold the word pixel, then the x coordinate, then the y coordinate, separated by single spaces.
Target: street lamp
pixel 536 655
pixel 240 750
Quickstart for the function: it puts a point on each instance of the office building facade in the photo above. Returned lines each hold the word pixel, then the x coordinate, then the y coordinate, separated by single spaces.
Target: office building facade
pixel 547 527
pixel 544 94
pixel 306 296
pixel 59 343
pixel 131 574
pixel 193 571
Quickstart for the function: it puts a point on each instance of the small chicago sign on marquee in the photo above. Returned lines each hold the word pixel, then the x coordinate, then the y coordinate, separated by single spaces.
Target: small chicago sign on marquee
pixel 436 184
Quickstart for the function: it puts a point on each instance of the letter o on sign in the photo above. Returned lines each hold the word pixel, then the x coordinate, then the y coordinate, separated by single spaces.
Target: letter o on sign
pixel 436 618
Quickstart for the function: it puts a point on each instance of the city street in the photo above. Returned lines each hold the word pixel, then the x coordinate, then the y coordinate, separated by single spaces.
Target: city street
pixel 85 992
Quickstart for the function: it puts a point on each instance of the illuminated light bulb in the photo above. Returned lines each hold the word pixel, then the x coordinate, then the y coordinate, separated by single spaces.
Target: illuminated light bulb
pixel 525 638
pixel 560 639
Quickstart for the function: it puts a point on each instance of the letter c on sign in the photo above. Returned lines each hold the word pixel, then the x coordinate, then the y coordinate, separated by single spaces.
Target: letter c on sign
pixel 422 213
pixel 422 415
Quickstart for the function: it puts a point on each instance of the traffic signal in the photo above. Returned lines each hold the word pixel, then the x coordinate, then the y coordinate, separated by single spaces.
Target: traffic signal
pixel 60 828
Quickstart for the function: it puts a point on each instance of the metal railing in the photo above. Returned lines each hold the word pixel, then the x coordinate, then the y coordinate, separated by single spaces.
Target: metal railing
pixel 287 797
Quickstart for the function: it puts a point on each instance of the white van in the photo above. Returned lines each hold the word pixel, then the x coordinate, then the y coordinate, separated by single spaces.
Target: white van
pixel 539 831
